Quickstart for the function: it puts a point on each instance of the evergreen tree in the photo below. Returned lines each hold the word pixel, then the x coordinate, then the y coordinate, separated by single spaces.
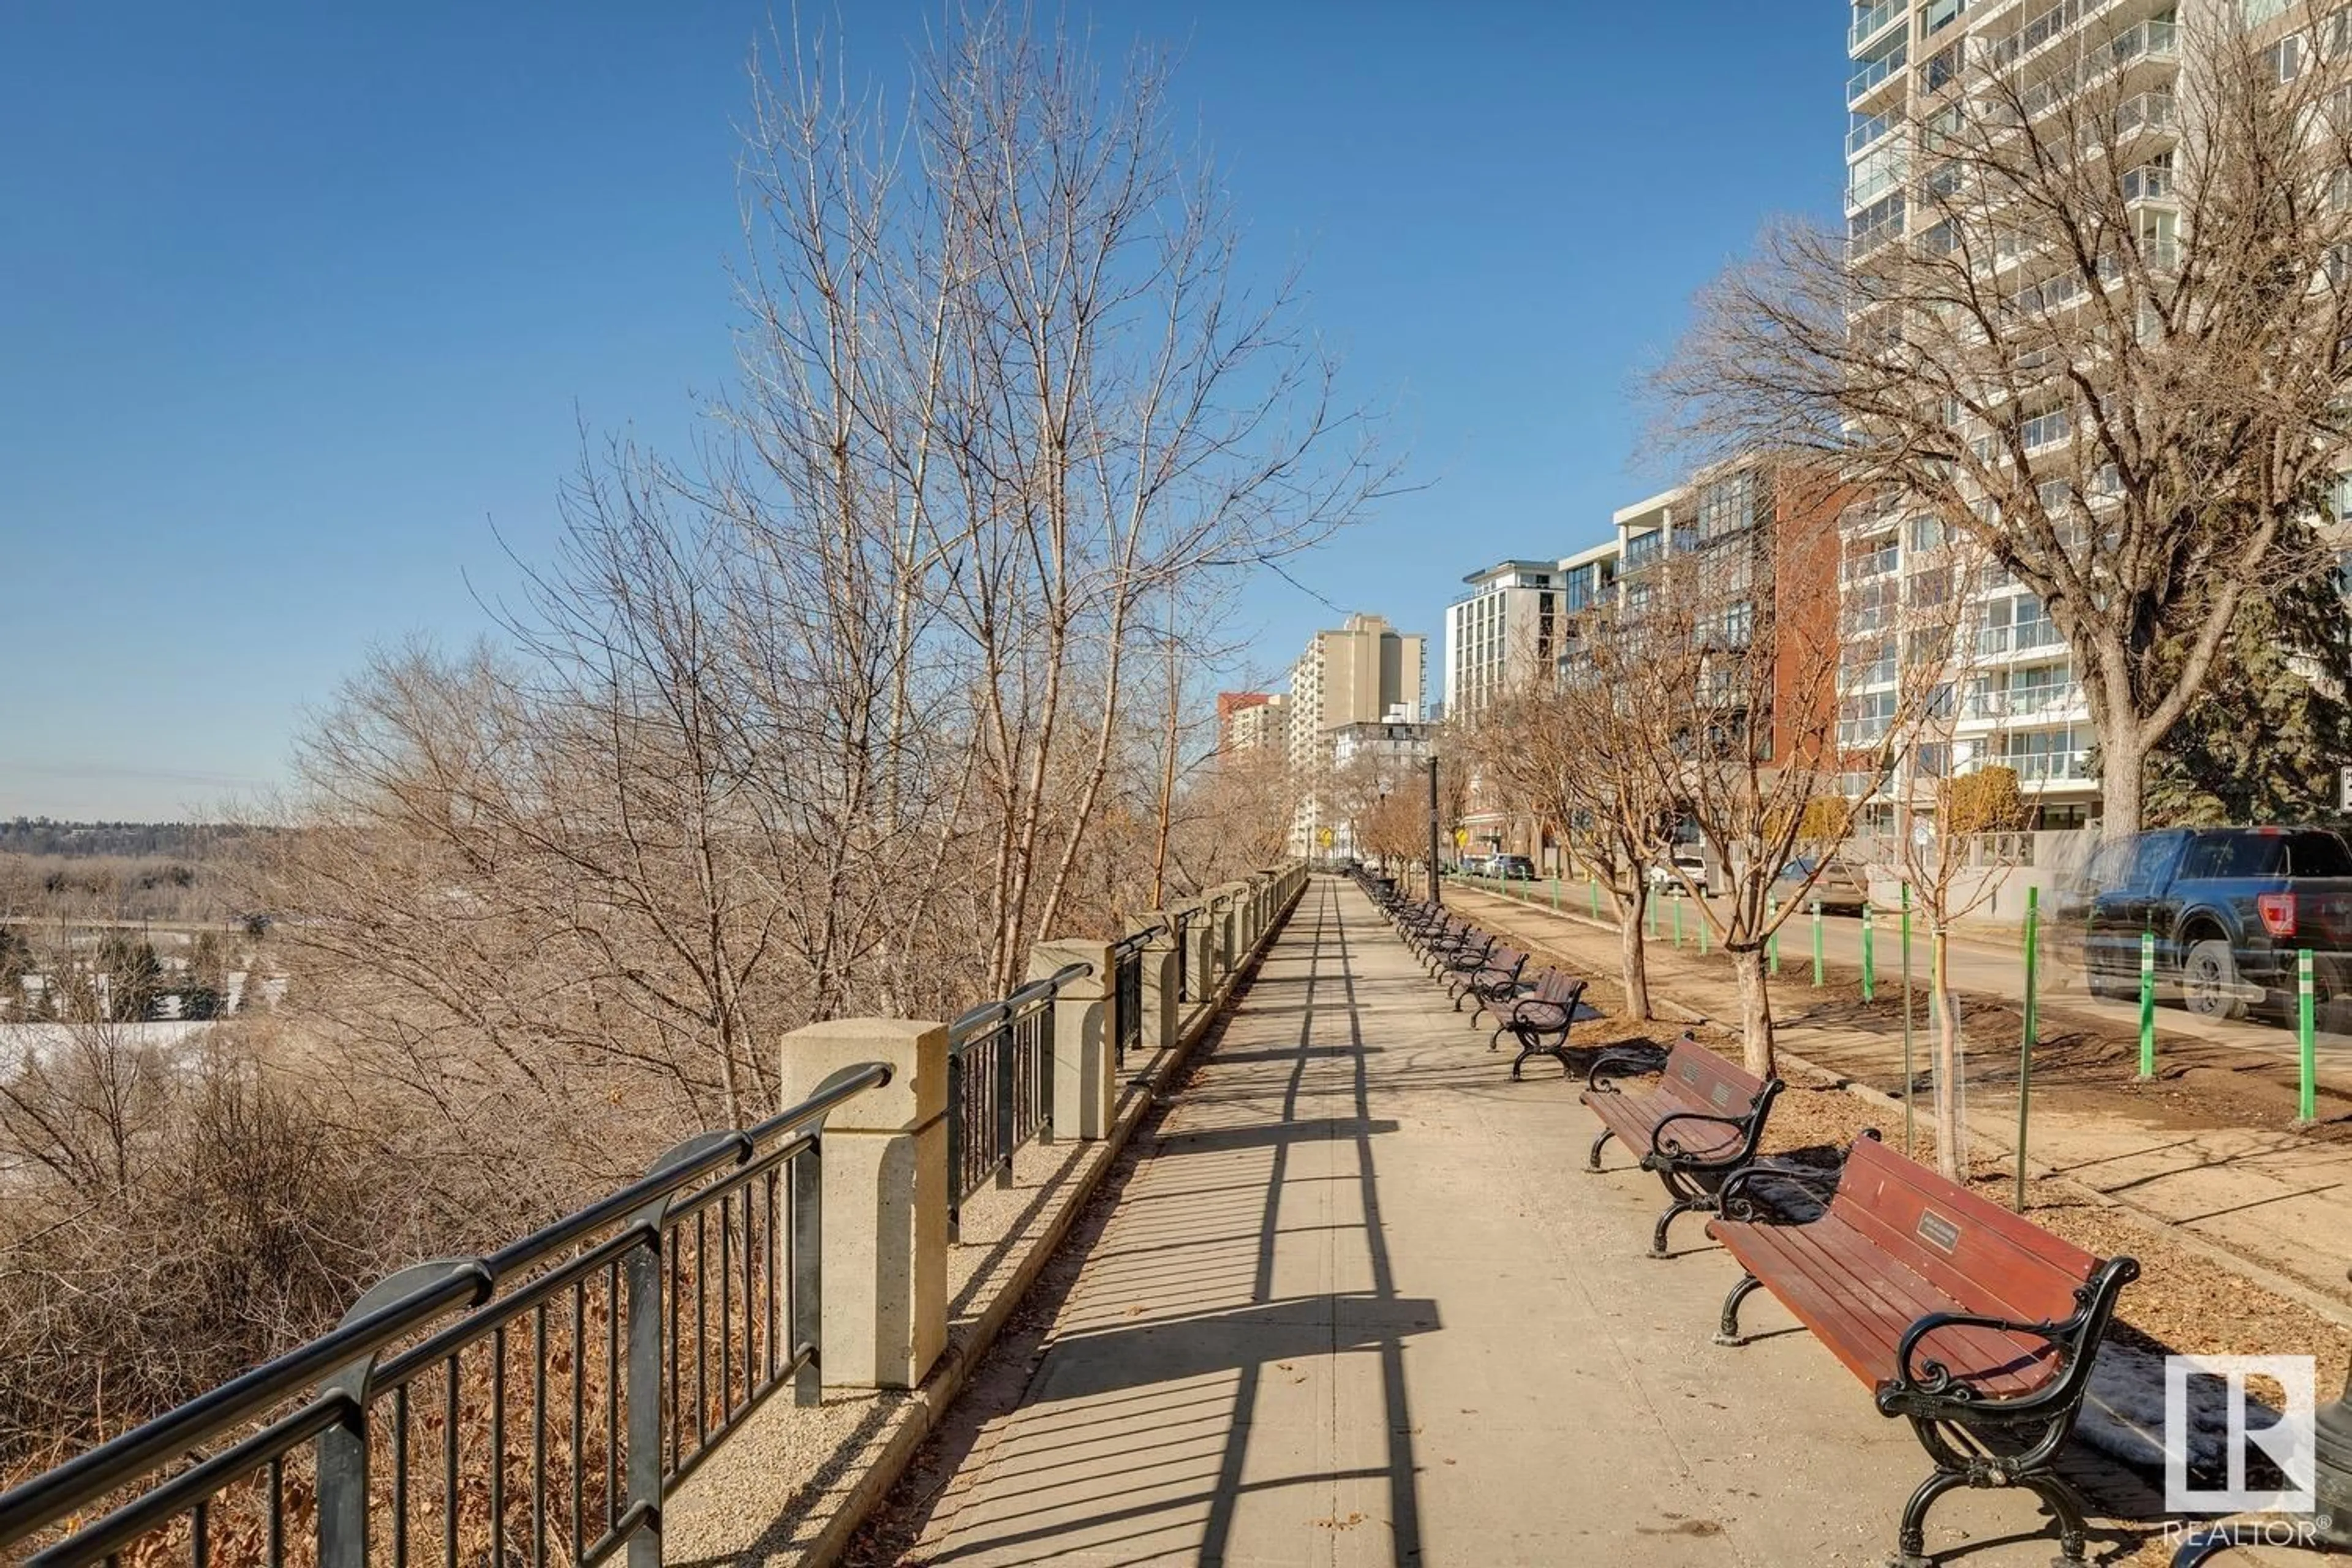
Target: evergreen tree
pixel 2266 740
pixel 134 976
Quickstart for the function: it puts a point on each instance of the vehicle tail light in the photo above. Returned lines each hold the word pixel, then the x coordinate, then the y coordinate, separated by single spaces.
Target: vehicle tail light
pixel 2277 910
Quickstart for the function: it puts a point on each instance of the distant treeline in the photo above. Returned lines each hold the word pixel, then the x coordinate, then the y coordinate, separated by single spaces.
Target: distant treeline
pixel 40 835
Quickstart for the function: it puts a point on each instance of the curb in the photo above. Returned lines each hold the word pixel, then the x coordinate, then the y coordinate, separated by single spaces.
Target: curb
pixel 914 1418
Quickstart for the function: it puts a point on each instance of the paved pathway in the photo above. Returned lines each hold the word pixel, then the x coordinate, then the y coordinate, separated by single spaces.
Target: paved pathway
pixel 1359 1304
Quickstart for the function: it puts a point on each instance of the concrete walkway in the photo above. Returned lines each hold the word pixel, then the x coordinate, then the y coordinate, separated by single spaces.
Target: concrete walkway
pixel 1359 1304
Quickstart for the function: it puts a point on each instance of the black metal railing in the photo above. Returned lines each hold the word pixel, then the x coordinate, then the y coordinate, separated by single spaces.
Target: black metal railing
pixel 1126 993
pixel 1184 955
pixel 1000 1087
pixel 533 1406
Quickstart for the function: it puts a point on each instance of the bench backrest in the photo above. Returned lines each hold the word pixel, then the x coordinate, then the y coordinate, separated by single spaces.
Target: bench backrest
pixel 1707 1081
pixel 1558 985
pixel 1978 1254
pixel 1509 960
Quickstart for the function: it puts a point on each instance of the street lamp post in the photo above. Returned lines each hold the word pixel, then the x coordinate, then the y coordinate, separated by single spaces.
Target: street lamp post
pixel 1436 893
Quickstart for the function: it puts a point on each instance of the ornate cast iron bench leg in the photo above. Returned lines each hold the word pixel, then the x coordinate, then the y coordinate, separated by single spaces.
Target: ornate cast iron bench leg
pixel 1727 1332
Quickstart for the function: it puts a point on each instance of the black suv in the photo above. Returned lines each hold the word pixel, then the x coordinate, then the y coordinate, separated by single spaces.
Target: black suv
pixel 2229 908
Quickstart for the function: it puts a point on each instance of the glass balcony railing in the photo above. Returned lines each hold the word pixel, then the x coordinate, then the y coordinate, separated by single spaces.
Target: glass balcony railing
pixel 1652 547
pixel 1871 72
pixel 1868 23
pixel 1866 132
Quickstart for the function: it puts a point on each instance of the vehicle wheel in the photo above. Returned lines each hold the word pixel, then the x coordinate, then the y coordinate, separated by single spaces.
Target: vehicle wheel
pixel 2208 981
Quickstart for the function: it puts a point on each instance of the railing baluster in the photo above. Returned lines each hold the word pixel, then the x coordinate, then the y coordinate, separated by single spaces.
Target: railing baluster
pixel 450 1499
pixel 538 1437
pixel 400 1476
pixel 645 1372
pixel 726 1309
pixel 579 1408
pixel 1005 1104
pixel 806 1206
pixel 276 1514
pixel 499 1447
pixel 612 1394
pixel 956 1181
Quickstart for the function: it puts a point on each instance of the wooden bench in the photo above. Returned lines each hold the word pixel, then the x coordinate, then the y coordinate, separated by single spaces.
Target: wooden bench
pixel 1539 1020
pixel 1460 953
pixel 1975 1324
pixel 1698 1124
pixel 1497 976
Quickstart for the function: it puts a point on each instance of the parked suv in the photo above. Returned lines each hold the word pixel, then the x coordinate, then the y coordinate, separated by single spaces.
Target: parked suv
pixel 2229 908
pixel 1512 868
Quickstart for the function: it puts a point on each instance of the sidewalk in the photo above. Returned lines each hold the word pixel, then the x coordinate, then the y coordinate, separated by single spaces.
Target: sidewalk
pixel 1359 1304
pixel 2274 1198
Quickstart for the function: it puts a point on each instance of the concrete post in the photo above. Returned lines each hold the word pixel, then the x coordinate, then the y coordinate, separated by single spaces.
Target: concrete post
pixel 1202 957
pixel 885 1159
pixel 1222 928
pixel 1161 964
pixel 1085 1042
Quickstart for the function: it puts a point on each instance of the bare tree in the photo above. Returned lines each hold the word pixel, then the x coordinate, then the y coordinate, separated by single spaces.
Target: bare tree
pixel 1766 714
pixel 2108 344
pixel 1576 751
pixel 841 714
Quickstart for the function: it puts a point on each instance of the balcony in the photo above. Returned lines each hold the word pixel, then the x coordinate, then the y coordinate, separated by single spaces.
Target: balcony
pixel 1868 25
pixel 1864 132
pixel 1652 548
pixel 1872 72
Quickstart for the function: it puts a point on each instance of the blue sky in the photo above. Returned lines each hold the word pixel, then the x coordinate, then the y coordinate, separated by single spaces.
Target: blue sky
pixel 299 303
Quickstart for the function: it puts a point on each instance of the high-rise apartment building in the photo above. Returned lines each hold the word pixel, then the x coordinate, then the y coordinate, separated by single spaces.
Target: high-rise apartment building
pixel 2019 701
pixel 1366 672
pixel 1252 720
pixel 1500 633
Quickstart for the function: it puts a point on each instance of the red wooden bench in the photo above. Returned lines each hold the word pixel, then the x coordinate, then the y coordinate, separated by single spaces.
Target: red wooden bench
pixel 1698 1123
pixel 1497 977
pixel 1539 1020
pixel 1974 1323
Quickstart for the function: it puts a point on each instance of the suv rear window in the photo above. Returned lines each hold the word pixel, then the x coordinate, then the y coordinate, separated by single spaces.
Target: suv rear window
pixel 2305 854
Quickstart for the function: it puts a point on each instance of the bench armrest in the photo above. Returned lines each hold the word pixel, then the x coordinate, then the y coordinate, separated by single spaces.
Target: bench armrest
pixel 1735 1204
pixel 1660 1144
pixel 1622 1061
pixel 1923 1385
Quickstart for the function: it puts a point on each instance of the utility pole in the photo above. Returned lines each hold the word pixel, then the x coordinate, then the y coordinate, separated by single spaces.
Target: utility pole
pixel 1436 892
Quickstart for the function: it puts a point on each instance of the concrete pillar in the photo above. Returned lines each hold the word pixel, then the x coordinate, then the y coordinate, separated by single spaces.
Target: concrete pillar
pixel 1202 959
pixel 1085 1069
pixel 885 1167
pixel 1161 965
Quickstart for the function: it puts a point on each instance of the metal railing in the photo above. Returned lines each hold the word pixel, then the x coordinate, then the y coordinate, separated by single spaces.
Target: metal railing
pixel 1000 1087
pixel 535 1404
pixel 1183 926
pixel 1127 994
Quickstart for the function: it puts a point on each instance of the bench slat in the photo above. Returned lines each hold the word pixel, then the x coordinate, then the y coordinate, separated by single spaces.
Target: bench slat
pixel 1968 1248
pixel 1836 1282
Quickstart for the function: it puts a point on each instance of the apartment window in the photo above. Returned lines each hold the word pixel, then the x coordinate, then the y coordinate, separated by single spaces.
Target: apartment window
pixel 2160 240
pixel 2283 59
pixel 2048 429
pixel 1876 224
pixel 1927 531
pixel 1728 506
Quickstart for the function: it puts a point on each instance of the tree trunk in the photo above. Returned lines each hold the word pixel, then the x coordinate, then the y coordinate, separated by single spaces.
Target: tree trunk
pixel 1951 1138
pixel 2123 764
pixel 1636 959
pixel 1755 1010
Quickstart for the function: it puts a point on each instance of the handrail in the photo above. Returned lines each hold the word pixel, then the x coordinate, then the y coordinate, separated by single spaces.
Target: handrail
pixel 466 1282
